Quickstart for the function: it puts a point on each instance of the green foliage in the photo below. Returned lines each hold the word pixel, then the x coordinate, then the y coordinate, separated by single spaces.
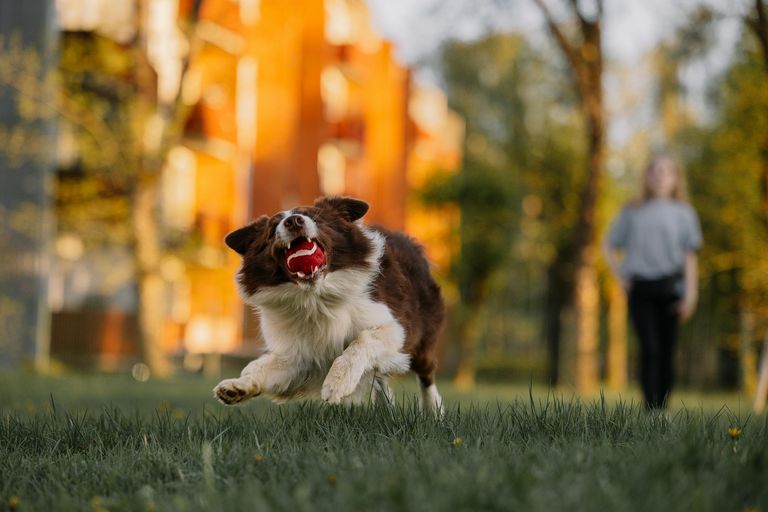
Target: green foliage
pixel 101 128
pixel 25 135
pixel 91 96
pixel 485 195
pixel 521 121
pixel 556 178
pixel 533 454
pixel 724 160
pixel 518 188
pixel 696 37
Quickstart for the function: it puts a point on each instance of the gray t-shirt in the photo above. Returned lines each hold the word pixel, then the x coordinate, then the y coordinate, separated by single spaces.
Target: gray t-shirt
pixel 655 236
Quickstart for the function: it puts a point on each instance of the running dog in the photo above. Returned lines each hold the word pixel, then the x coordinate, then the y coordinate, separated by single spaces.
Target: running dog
pixel 342 306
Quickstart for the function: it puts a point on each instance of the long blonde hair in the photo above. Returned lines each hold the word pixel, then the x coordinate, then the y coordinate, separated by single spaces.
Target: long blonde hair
pixel 679 193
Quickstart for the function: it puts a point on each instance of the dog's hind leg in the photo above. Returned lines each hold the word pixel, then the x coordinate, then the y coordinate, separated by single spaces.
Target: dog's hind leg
pixel 431 401
pixel 425 366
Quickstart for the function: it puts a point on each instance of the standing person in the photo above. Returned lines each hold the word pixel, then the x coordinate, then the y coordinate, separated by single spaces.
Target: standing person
pixel 659 235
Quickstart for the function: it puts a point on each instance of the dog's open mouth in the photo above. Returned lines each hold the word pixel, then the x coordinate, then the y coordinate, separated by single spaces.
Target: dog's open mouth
pixel 305 258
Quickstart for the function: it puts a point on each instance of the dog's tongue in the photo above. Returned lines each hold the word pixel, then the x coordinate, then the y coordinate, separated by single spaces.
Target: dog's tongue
pixel 305 257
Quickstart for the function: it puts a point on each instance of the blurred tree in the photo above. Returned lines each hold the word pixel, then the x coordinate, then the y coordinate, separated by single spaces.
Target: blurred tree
pixel 757 22
pixel 484 189
pixel 483 193
pixel 740 109
pixel 558 183
pixel 692 41
pixel 583 51
pixel 517 190
pixel 725 164
pixel 152 126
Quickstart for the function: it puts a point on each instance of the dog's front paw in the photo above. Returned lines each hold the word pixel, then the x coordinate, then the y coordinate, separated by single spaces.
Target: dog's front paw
pixel 341 381
pixel 234 391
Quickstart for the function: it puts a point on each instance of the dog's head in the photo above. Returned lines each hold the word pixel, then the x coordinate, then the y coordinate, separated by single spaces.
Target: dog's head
pixel 302 245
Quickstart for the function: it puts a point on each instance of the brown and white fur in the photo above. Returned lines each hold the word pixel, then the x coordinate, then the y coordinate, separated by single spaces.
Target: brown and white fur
pixel 371 311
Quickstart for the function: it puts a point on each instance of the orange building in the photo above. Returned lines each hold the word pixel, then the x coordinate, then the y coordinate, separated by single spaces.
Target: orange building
pixel 293 99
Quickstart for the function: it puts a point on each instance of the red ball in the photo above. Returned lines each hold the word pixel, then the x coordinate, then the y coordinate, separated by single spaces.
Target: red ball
pixel 305 257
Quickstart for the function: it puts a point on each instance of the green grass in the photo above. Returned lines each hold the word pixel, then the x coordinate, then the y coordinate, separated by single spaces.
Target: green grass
pixel 96 443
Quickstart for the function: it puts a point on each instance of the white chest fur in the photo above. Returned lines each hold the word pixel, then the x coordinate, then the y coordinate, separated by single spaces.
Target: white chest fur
pixel 315 330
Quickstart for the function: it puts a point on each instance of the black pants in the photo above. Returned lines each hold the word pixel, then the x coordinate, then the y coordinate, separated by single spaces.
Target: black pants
pixel 653 309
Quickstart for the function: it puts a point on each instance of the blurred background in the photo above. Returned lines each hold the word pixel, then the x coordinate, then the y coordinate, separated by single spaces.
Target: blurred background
pixel 503 134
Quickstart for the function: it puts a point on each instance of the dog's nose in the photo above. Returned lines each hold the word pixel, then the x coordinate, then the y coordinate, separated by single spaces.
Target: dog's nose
pixel 294 222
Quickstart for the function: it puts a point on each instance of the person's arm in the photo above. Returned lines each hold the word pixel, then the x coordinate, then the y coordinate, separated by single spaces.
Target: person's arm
pixel 611 255
pixel 691 293
pixel 614 242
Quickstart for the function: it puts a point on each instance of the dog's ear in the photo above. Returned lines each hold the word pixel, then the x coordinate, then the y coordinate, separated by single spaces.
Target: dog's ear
pixel 348 207
pixel 240 239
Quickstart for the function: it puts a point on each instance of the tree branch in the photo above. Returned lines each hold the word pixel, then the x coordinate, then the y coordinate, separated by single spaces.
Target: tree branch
pixel 586 23
pixel 577 11
pixel 180 111
pixel 68 110
pixel 759 26
pixel 566 46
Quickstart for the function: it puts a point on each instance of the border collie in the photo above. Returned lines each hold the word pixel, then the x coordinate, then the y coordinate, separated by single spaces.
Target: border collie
pixel 342 307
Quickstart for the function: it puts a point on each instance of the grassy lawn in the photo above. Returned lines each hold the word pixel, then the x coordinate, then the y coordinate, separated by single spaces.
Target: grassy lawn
pixel 110 443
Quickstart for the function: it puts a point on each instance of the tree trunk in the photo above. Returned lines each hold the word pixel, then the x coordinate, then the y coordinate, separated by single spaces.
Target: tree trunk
pixel 587 316
pixel 762 384
pixel 764 179
pixel 747 356
pixel 552 333
pixel 616 360
pixel 558 284
pixel 149 282
pixel 584 56
pixel 471 321
pixel 146 220
pixel 586 296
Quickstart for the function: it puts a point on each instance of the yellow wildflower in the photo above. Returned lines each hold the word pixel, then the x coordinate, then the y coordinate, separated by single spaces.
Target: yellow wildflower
pixel 14 502
pixel 735 432
pixel 97 504
pixel 457 441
